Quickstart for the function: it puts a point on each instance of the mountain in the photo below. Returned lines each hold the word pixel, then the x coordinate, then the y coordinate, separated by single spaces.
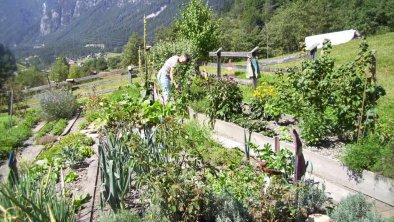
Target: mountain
pixel 51 27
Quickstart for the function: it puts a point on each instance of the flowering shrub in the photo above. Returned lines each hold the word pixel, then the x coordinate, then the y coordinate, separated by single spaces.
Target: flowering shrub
pixel 57 104
pixel 265 104
pixel 264 92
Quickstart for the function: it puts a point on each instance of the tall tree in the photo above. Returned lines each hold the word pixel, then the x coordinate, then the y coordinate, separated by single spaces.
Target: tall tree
pixel 199 25
pixel 75 72
pixel 130 50
pixel 7 64
pixel 60 70
pixel 31 77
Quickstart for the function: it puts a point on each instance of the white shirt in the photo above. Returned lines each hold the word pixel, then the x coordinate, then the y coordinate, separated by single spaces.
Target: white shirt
pixel 170 63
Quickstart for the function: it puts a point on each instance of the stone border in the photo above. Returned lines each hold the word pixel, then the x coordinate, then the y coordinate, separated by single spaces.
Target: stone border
pixel 371 184
pixel 71 124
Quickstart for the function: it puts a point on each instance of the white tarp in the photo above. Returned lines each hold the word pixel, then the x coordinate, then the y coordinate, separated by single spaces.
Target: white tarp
pixel 336 38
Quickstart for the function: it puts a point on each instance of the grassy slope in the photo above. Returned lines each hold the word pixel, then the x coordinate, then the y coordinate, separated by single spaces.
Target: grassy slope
pixel 384 46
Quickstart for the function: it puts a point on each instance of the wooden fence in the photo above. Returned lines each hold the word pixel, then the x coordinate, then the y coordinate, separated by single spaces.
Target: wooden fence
pixel 253 53
pixel 76 84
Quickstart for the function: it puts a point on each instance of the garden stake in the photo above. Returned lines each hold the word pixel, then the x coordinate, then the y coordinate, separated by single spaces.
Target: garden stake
pixel 247 141
pixel 276 144
pixel 95 190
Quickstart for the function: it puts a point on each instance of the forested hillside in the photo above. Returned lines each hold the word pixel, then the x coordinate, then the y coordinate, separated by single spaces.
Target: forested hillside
pixel 50 27
pixel 283 24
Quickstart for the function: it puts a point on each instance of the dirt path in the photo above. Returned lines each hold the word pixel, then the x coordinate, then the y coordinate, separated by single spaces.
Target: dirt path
pixel 87 184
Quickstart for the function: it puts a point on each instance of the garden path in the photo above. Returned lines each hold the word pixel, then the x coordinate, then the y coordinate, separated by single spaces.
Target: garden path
pixel 28 153
pixel 335 191
pixel 86 184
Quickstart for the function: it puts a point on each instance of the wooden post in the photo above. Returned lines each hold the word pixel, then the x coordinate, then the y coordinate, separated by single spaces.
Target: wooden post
pixel 11 105
pixel 276 144
pixel 313 51
pixel 372 70
pixel 218 55
pixel 49 82
pixel 129 69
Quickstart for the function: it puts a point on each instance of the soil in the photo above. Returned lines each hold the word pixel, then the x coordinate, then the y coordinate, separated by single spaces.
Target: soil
pixel 331 147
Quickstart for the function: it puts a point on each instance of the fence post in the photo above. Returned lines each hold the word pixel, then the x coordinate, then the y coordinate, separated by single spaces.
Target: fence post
pixel 49 82
pixel 129 69
pixel 313 51
pixel 11 105
pixel 219 55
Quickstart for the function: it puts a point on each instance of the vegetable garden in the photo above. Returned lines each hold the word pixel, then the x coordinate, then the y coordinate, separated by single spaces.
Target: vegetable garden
pixel 149 161
pixel 155 164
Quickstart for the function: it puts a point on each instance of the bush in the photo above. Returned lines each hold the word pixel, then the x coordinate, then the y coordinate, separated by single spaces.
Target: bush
pixel 183 72
pixel 75 72
pixel 264 102
pixel 355 208
pixel 12 134
pixel 57 104
pixel 385 165
pixel 13 137
pixel 225 100
pixel 230 209
pixel 312 196
pixel 31 118
pixel 370 154
pixel 331 101
pixel 59 127
pixel 164 50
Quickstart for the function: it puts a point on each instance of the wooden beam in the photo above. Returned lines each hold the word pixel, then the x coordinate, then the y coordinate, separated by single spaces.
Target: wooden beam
pixel 212 54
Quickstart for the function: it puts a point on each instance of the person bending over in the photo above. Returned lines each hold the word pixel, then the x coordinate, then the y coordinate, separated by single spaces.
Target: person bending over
pixel 166 75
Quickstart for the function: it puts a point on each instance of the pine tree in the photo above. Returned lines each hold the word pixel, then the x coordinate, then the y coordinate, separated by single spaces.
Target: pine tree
pixel 130 50
pixel 7 64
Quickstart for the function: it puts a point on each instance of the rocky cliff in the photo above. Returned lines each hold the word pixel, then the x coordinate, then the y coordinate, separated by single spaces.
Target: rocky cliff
pixel 52 27
pixel 59 13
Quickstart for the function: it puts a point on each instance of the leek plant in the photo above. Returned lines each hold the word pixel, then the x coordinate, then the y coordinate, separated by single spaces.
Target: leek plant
pixel 115 170
pixel 33 200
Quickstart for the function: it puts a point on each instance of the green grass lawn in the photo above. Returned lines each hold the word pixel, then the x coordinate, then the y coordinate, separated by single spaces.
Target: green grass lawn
pixel 113 54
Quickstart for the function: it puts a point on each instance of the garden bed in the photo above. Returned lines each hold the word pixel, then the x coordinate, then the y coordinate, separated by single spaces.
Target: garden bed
pixel 371 184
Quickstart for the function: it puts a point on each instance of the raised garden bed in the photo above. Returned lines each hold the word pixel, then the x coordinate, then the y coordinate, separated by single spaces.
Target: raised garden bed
pixel 371 184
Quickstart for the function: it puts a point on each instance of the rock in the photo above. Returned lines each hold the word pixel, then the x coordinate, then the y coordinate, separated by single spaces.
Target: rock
pixel 41 162
pixel 318 218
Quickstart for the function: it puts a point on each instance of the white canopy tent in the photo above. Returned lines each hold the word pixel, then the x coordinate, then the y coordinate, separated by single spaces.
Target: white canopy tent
pixel 336 38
